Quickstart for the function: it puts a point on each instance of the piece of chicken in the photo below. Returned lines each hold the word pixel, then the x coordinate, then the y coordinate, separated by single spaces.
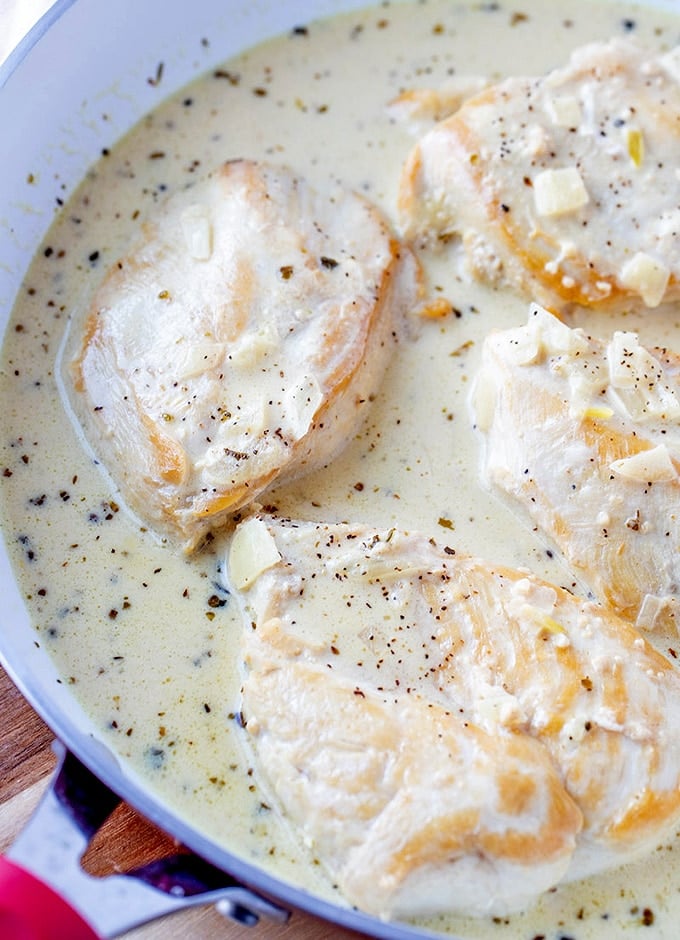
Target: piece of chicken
pixel 584 436
pixel 238 343
pixel 565 186
pixel 418 109
pixel 448 736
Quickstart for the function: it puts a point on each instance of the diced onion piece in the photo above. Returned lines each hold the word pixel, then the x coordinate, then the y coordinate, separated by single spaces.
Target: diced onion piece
pixel 253 551
pixel 544 335
pixel 251 347
pixel 639 383
pixel 301 404
pixel 670 62
pixel 651 608
pixel 555 337
pixel 648 466
pixel 558 192
pixel 484 399
pixel 197 231
pixel 495 706
pixel 647 277
pixel 536 141
pixel 564 110
pixel 581 391
pixel 524 347
pixel 190 360
pixel 622 354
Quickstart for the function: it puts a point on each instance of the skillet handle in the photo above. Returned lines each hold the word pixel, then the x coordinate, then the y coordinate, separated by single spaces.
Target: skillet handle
pixel 30 910
pixel 51 846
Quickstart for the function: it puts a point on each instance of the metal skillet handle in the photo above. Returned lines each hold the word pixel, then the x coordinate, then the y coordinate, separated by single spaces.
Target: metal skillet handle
pixel 45 894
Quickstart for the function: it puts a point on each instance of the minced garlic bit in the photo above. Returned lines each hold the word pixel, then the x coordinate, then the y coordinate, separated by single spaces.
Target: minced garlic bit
pixel 598 412
pixel 549 624
pixel 648 466
pixel 558 192
pixel 636 145
pixel 647 277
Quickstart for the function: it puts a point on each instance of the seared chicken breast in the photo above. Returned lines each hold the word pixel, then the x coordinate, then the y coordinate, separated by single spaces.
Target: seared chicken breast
pixel 237 343
pixel 583 436
pixel 447 735
pixel 563 187
pixel 418 109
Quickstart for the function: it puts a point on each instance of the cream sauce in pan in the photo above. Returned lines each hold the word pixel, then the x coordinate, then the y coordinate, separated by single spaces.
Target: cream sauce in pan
pixel 148 639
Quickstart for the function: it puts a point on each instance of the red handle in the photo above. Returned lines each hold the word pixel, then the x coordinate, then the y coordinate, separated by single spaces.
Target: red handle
pixel 30 910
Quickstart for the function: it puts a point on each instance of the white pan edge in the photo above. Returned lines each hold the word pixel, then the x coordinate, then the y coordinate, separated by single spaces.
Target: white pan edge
pixel 82 59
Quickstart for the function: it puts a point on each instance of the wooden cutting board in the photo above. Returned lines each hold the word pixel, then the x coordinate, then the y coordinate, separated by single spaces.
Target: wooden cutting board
pixel 26 763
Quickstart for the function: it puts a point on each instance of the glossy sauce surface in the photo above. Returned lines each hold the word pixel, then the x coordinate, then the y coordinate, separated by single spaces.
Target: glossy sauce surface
pixel 148 639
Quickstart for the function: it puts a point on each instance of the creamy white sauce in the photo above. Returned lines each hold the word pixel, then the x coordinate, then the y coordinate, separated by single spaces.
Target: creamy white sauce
pixel 146 638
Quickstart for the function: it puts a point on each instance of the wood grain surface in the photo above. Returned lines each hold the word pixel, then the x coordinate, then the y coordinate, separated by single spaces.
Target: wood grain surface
pixel 26 763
